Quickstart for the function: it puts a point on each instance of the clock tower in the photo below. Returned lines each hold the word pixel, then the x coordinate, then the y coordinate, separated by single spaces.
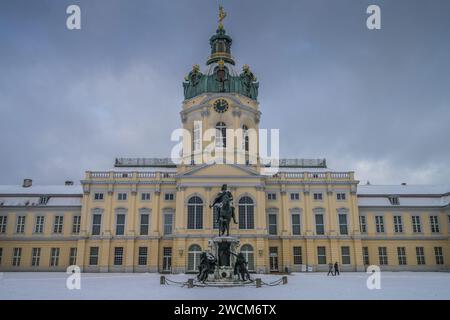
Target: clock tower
pixel 220 110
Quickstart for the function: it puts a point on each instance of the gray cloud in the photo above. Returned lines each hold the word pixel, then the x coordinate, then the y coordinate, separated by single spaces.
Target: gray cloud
pixel 376 102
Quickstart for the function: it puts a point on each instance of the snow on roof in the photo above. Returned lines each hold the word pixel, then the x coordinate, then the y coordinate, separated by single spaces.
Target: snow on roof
pixel 371 190
pixel 41 190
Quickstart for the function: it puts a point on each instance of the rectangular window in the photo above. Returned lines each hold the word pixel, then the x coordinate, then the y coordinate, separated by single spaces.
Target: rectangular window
pixel 439 255
pixel 420 255
pixel 76 224
pixel 142 257
pixel 120 224
pixel 39 227
pixel 168 221
pixel 20 228
pixel 297 251
pixel 296 227
pixel 17 254
pixel 272 224
pixel 169 196
pixel 73 257
pixel 3 223
pixel 382 256
pixel 434 224
pixel 93 256
pixel 379 224
pixel 295 196
pixel 145 196
pixel 345 253
pixel 35 257
pixel 362 224
pixel 320 228
pixel 394 201
pixel 340 196
pixel 167 259
pixel 144 224
pixel 417 228
pixel 321 255
pixel 118 256
pixel 273 258
pixel 317 196
pixel 54 257
pixel 343 227
pixel 58 225
pixel 121 196
pixel 365 251
pixel 401 252
pixel 96 224
pixel 98 196
pixel 1 255
pixel 43 200
pixel 271 196
pixel 398 224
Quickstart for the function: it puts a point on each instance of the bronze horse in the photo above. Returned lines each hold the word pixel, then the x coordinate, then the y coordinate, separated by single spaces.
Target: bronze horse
pixel 224 210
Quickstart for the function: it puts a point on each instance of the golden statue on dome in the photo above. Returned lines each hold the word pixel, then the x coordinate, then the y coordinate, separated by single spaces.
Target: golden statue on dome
pixel 222 15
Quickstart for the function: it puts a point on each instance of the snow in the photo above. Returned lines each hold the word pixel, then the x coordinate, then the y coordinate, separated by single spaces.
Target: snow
pixel 403 189
pixel 394 285
pixel 41 190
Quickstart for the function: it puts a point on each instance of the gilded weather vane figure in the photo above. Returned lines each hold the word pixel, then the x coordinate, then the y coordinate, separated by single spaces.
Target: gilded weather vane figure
pixel 222 16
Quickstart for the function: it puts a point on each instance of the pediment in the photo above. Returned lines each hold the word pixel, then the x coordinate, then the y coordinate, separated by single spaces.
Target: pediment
pixel 225 170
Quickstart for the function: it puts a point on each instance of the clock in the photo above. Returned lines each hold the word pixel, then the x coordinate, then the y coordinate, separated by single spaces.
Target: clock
pixel 221 105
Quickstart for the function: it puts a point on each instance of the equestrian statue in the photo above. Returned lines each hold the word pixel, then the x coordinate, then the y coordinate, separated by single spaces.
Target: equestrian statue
pixel 224 210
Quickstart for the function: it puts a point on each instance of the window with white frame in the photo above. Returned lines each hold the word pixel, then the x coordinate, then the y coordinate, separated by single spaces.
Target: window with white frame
pixel 273 229
pixel 142 256
pixel 195 213
pixel 58 224
pixel 297 254
pixel 35 257
pixel 382 256
pixel 145 196
pixel 194 253
pixel 3 223
pixel 167 259
pixel 394 200
pixel 417 227
pixel 43 200
pixel 365 251
pixel 296 226
pixel 144 223
pixel 120 223
pixel 321 255
pixel 76 223
pixel 295 196
pixel 434 224
pixel 20 228
pixel 420 255
pixel 246 213
pixel 317 196
pixel 169 196
pixel 39 226
pixel 401 253
pixel 345 255
pixel 439 255
pixel 17 255
pixel 320 226
pixel 362 224
pixel 247 251
pixel 118 256
pixel 168 223
pixel 122 196
pixel 54 257
pixel 73 257
pixel 271 196
pixel 398 224
pixel 245 138
pixel 343 224
pixel 93 256
pixel 221 135
pixel 96 224
pixel 379 224
pixel 341 196
pixel 197 146
pixel 98 196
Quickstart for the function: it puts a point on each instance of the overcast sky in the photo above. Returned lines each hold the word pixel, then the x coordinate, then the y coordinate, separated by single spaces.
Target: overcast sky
pixel 376 102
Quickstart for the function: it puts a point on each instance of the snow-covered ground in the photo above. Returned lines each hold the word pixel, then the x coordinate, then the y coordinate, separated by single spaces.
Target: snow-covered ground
pixel 394 285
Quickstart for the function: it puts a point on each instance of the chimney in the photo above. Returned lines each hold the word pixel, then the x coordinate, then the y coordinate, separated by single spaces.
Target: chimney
pixel 403 183
pixel 68 183
pixel 27 183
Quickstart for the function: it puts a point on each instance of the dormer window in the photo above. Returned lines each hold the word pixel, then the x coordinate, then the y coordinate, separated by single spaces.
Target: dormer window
pixel 394 200
pixel 43 200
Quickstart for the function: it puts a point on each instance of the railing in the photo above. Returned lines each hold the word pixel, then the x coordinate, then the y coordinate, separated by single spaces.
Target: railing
pixel 129 174
pixel 101 174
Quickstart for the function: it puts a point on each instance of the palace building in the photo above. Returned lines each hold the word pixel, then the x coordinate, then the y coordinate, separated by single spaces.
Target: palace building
pixel 152 215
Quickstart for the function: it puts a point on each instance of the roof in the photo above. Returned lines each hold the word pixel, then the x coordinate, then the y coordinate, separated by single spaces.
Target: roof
pixel 41 190
pixel 371 190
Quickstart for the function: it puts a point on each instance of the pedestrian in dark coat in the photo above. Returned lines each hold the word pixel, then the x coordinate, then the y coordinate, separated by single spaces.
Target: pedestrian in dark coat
pixel 330 269
pixel 336 269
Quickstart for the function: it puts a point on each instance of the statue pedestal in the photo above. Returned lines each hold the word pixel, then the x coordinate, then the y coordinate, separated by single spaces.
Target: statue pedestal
pixel 225 249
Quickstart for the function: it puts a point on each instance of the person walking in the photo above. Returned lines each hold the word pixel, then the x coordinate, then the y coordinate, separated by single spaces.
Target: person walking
pixel 336 269
pixel 330 269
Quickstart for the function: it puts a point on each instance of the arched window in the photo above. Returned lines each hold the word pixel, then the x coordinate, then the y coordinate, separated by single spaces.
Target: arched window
pixel 194 257
pixel 196 143
pixel 195 213
pixel 221 135
pixel 247 251
pixel 245 141
pixel 246 213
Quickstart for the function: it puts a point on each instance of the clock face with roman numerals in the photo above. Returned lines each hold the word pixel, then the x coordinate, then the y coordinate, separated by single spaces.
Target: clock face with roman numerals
pixel 221 105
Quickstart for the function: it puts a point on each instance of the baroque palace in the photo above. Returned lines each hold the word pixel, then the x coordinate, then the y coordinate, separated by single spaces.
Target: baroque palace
pixel 152 215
